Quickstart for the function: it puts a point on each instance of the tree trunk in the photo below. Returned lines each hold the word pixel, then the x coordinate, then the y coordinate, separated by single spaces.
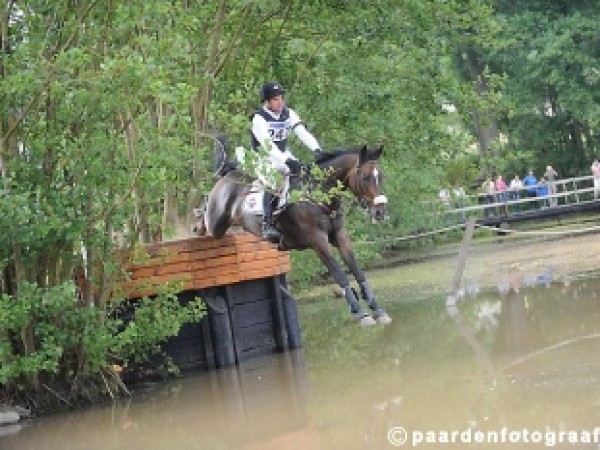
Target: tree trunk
pixel 578 144
pixel 131 133
pixel 201 105
pixel 485 121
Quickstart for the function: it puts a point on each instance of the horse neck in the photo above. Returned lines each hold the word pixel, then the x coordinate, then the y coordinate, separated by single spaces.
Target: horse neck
pixel 342 168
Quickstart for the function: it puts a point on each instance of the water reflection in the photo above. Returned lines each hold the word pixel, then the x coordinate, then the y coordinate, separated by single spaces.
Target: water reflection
pixel 525 356
pixel 540 358
pixel 259 405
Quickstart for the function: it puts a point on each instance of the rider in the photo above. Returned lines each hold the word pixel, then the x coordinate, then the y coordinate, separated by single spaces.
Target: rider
pixel 271 124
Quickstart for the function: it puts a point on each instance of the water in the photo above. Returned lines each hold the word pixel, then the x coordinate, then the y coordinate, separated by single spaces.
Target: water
pixel 517 364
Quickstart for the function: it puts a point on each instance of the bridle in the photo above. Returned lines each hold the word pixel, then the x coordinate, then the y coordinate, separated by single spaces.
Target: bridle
pixel 354 183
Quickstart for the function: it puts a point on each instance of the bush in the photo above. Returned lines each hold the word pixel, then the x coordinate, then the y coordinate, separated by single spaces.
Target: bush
pixel 48 335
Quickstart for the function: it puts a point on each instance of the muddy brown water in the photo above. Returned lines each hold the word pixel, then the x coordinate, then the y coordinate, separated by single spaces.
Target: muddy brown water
pixel 518 363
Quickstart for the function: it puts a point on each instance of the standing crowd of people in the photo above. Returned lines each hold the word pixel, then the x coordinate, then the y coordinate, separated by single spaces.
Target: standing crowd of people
pixel 497 193
pixel 544 190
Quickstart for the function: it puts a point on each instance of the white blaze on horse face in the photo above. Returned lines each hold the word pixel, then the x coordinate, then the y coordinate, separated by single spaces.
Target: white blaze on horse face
pixel 379 199
pixel 376 175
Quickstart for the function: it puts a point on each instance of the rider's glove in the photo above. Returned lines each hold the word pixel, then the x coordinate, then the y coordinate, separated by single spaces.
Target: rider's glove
pixel 294 165
pixel 318 154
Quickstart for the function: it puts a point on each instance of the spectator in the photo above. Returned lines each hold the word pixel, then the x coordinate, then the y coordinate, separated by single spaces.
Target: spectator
pixel 515 190
pixel 489 191
pixel 530 182
pixel 501 187
pixel 551 175
pixel 542 192
pixel 596 174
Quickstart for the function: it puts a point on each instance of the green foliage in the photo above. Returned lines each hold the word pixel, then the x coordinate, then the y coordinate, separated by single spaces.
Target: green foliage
pixel 55 323
pixel 154 321
pixel 67 334
pixel 548 52
pixel 315 187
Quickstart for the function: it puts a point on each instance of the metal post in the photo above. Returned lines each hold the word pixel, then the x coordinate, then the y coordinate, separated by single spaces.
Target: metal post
pixel 460 264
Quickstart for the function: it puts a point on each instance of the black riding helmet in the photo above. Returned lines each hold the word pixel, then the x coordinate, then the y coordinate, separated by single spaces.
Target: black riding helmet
pixel 269 90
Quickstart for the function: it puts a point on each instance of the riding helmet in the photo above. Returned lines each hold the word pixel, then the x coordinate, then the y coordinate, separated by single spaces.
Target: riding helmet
pixel 269 90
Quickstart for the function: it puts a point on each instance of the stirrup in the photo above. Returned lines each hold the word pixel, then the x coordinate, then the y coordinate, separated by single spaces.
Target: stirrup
pixel 271 234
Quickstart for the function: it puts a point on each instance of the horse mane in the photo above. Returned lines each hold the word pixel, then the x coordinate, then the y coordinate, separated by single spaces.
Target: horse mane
pixel 330 156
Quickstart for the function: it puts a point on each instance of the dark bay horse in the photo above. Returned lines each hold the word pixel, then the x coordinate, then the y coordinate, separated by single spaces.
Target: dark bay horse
pixel 306 224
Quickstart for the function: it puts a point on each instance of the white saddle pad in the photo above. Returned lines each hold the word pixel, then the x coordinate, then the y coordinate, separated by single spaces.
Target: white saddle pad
pixel 253 202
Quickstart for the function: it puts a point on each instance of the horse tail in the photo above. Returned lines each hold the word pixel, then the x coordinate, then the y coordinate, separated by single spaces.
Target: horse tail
pixel 226 167
pixel 218 215
pixel 220 227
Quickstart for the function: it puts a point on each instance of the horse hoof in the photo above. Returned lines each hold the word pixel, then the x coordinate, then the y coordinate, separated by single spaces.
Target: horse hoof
pixel 366 321
pixel 198 229
pixel 384 319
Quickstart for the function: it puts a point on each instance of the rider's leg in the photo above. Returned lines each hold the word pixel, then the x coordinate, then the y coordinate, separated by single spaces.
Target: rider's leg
pixel 270 200
pixel 268 230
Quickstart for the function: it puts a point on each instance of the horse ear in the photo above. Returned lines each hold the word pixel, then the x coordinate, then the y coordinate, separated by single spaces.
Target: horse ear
pixel 362 156
pixel 377 153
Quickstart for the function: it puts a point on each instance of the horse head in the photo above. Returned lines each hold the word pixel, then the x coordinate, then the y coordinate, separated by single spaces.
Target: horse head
pixel 365 182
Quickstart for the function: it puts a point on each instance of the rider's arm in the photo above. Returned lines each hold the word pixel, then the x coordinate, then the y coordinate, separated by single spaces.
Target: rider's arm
pixel 303 134
pixel 260 130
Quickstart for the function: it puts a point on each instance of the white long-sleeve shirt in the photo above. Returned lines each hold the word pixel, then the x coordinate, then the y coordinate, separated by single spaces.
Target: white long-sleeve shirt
pixel 271 130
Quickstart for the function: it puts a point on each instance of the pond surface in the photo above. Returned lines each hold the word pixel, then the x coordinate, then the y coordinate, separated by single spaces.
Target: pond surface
pixel 518 366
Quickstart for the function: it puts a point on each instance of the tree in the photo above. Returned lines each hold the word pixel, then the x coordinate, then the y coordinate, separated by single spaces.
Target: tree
pixel 109 110
pixel 549 53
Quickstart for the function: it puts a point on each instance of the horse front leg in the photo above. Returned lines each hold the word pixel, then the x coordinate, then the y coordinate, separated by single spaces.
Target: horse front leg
pixel 323 249
pixel 344 245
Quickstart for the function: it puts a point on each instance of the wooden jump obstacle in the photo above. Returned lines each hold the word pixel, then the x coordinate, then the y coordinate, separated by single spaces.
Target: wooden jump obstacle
pixel 242 281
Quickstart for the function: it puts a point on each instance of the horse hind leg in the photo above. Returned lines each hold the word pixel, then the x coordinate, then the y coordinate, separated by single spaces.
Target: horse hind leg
pixel 199 228
pixel 206 225
pixel 217 216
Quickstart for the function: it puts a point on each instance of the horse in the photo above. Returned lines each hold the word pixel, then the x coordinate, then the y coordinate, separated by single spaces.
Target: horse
pixel 307 224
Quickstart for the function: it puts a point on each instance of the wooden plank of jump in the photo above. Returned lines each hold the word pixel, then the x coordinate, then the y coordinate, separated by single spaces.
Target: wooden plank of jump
pixel 172 257
pixel 198 243
pixel 191 280
pixel 203 262
pixel 260 255
pixel 138 272
pixel 264 272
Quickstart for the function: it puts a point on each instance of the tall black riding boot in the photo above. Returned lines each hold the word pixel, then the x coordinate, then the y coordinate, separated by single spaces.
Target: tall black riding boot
pixel 269 232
